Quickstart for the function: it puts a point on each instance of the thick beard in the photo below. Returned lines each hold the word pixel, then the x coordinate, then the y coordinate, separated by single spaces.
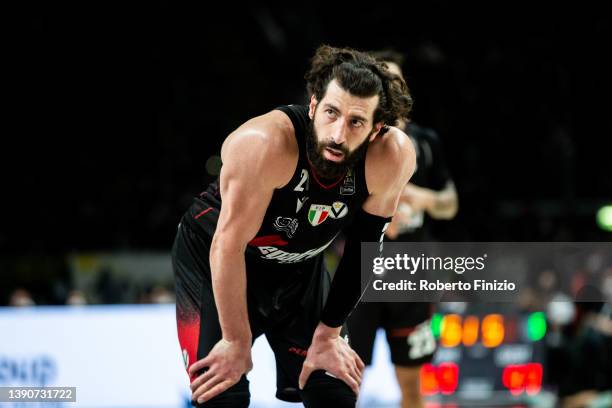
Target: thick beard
pixel 327 168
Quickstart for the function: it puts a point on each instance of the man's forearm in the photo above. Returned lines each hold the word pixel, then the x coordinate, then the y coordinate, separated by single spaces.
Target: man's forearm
pixel 228 272
pixel 346 290
pixel 444 203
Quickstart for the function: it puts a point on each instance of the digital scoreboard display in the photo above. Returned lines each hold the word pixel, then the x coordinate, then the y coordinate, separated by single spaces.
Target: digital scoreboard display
pixel 486 357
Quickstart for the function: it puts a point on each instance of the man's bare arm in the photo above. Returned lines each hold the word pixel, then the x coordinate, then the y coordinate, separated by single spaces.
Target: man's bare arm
pixel 390 162
pixel 256 160
pixel 440 205
pixel 446 203
pixel 389 166
pixel 259 157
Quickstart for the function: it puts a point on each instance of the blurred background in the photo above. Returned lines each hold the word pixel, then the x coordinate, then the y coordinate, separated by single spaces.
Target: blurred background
pixel 118 114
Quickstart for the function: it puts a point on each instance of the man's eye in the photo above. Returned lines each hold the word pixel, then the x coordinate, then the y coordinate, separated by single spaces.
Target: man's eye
pixel 357 123
pixel 330 112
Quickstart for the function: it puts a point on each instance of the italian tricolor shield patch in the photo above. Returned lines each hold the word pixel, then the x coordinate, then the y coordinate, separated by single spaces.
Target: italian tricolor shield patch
pixel 318 213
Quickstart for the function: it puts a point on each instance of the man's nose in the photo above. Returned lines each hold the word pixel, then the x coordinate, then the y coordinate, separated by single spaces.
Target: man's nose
pixel 339 132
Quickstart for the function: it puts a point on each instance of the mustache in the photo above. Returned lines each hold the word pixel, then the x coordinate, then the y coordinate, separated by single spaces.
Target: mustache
pixel 327 168
pixel 335 146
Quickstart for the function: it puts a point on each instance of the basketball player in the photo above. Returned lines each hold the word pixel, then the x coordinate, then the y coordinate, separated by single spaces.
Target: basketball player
pixel 247 256
pixel 407 325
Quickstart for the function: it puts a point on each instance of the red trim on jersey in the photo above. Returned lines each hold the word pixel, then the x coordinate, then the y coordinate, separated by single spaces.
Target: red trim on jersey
pixel 314 174
pixel 189 335
pixel 203 212
pixel 300 352
pixel 267 240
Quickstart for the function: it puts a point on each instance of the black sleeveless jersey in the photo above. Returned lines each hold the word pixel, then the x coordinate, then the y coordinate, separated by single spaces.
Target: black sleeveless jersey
pixel 303 217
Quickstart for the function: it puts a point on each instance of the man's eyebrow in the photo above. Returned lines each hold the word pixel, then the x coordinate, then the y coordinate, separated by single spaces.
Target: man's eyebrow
pixel 358 117
pixel 330 106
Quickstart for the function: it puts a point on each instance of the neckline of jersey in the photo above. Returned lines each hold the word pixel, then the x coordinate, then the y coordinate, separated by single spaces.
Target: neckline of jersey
pixel 314 174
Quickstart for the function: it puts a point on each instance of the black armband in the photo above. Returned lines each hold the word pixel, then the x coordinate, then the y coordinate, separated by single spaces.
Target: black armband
pixel 345 289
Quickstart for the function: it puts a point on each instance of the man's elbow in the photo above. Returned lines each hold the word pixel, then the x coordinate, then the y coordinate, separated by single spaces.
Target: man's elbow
pixel 445 213
pixel 447 203
pixel 224 246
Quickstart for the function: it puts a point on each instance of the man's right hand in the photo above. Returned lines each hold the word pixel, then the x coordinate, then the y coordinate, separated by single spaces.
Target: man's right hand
pixel 226 363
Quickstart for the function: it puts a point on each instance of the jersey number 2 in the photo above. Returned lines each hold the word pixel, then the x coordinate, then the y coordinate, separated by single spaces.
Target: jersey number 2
pixel 303 180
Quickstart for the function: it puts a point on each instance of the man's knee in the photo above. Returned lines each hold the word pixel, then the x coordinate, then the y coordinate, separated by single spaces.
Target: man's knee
pixel 237 396
pixel 321 390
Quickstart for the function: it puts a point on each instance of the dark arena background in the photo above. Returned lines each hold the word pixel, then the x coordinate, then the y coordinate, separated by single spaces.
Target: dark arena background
pixel 116 115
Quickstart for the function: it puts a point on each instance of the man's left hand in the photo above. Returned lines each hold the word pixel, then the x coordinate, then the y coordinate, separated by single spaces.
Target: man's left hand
pixel 330 352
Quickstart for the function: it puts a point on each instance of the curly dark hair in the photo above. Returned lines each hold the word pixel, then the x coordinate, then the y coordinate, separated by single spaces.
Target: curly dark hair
pixel 361 75
pixel 389 55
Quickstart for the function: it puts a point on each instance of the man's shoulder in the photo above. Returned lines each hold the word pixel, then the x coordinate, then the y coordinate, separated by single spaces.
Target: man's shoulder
pixel 273 131
pixel 389 156
pixel 267 140
pixel 391 148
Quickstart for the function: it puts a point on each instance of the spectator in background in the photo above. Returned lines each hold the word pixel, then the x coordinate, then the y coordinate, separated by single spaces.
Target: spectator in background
pixel 156 294
pixel 160 295
pixel 580 362
pixel 76 298
pixel 21 298
pixel 587 358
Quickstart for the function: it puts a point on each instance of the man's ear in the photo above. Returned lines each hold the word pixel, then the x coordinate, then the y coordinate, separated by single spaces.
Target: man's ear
pixel 312 106
pixel 376 130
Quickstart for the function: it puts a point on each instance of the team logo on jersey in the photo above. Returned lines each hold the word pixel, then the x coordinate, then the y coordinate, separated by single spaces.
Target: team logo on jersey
pixel 300 203
pixel 283 257
pixel 348 184
pixel 318 213
pixel 289 225
pixel 338 210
